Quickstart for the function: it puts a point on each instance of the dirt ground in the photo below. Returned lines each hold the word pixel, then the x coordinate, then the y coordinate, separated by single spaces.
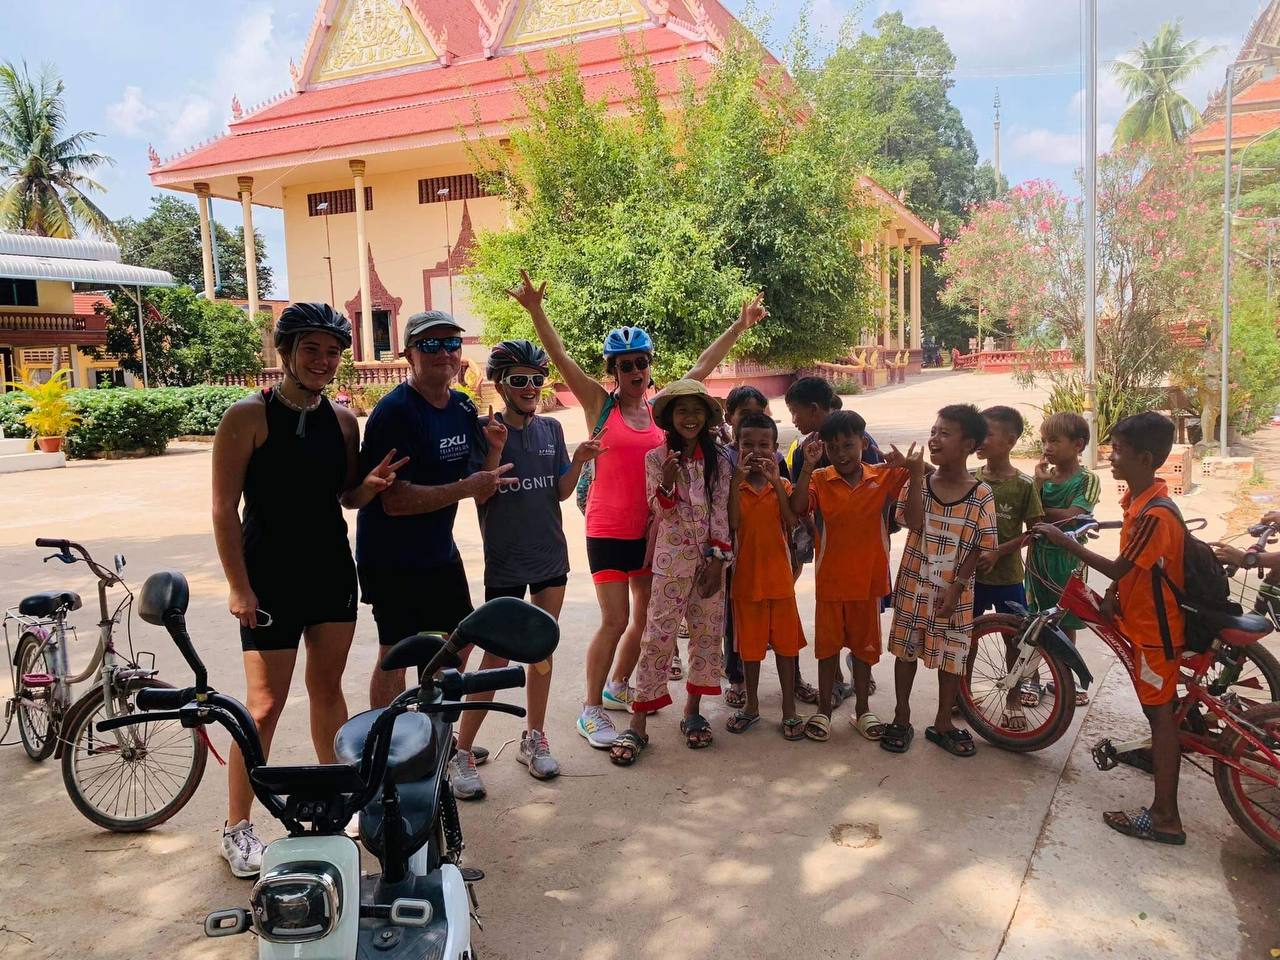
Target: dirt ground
pixel 755 848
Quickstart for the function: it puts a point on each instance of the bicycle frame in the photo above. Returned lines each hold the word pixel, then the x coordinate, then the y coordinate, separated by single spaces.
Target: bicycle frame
pixel 1079 599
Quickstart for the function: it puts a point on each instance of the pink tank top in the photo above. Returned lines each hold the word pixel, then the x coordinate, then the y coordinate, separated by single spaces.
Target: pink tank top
pixel 616 506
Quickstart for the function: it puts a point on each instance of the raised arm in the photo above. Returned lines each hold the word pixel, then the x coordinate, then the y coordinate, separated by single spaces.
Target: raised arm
pixel 753 311
pixel 812 453
pixel 588 390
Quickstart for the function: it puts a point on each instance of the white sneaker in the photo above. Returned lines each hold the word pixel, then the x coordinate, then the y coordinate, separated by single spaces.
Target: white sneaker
pixel 464 777
pixel 242 849
pixel 595 724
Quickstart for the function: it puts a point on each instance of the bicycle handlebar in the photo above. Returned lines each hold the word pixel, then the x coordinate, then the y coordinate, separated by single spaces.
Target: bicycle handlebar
pixel 164 698
pixel 66 547
pixel 62 545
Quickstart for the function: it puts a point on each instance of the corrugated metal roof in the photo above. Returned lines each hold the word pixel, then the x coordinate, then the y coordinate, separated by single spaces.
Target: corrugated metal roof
pixel 81 271
pixel 32 245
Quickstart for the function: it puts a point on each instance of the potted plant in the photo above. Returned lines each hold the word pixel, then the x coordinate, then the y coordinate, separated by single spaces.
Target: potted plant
pixel 49 415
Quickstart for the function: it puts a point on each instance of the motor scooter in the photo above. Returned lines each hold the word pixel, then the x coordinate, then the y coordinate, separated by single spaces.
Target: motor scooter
pixel 310 901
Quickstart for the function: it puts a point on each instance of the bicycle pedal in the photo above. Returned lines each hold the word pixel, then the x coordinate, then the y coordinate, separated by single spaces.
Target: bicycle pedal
pixel 1104 755
pixel 471 874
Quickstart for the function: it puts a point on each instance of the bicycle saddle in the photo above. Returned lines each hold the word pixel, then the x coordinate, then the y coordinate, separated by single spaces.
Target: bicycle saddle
pixel 48 603
pixel 413 750
pixel 1237 630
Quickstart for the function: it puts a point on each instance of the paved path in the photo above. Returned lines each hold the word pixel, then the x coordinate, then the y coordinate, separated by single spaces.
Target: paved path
pixel 756 848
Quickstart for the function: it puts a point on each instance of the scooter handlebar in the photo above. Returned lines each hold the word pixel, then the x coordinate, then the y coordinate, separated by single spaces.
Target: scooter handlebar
pixel 499 678
pixel 164 698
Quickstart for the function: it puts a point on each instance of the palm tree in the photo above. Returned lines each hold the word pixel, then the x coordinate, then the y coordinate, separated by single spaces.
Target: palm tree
pixel 1158 113
pixel 43 171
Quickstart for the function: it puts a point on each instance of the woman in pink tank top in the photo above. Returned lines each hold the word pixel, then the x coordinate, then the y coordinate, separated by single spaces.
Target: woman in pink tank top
pixel 617 510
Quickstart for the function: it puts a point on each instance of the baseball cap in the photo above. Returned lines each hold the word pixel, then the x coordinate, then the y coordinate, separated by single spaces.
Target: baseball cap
pixel 420 323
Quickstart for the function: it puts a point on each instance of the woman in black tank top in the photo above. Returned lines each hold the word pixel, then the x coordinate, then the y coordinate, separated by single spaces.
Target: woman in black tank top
pixel 291 455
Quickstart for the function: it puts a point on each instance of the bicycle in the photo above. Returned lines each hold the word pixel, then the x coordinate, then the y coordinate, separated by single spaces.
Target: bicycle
pixel 126 781
pixel 1240 735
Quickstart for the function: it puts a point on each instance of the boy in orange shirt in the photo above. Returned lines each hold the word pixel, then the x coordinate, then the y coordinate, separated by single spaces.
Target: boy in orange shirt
pixel 764 593
pixel 852 558
pixel 1142 600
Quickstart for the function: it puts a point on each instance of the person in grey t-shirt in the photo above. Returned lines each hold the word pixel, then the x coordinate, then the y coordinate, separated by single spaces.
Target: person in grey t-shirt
pixel 524 544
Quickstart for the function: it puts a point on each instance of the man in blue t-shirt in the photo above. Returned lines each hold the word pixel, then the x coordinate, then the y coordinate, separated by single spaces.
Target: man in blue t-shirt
pixel 409 565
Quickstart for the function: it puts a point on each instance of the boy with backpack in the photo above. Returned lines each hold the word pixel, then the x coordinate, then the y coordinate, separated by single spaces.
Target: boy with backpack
pixel 1148 584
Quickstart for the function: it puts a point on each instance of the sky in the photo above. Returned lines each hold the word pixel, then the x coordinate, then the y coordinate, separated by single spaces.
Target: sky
pixel 142 72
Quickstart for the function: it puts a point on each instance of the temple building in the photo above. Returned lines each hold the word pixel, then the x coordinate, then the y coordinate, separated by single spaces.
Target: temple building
pixel 366 157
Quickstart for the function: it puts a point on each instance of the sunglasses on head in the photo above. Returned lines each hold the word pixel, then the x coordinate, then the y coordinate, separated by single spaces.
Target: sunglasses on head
pixel 630 366
pixel 436 344
pixel 522 380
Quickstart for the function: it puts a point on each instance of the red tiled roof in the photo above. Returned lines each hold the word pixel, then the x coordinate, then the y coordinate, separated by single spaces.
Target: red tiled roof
pixel 84 302
pixel 414 104
pixel 1260 92
pixel 1244 126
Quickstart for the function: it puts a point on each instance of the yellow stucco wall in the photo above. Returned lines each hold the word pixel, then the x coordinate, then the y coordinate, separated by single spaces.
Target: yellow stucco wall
pixel 405 238
pixel 55 296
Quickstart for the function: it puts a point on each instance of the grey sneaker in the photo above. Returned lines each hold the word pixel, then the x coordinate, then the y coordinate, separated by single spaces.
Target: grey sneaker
pixel 535 753
pixel 596 725
pixel 242 849
pixel 464 778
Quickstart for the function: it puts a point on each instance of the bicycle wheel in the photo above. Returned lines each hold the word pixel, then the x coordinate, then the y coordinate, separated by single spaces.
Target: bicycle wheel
pixel 1253 804
pixel 992 712
pixel 141 785
pixel 38 714
pixel 1249 675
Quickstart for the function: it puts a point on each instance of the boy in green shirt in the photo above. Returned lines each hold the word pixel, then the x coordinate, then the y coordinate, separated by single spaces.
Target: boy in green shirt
pixel 1067 490
pixel 1018 509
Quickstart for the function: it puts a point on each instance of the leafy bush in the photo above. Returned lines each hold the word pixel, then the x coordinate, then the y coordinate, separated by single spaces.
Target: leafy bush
pixel 364 399
pixel 114 420
pixel 13 412
pixel 203 407
pixel 1067 394
pixel 846 386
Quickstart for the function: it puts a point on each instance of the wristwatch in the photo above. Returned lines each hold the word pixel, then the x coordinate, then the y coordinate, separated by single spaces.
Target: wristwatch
pixel 1250 560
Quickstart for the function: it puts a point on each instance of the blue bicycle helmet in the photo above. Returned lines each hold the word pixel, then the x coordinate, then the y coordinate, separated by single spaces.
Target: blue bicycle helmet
pixel 627 340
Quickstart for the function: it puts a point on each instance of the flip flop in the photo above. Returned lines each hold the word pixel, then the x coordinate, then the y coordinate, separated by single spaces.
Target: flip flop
pixel 840 692
pixel 629 741
pixel 793 729
pixel 957 742
pixel 742 721
pixel 735 698
pixel 691 727
pixel 676 670
pixel 818 728
pixel 1139 826
pixel 869 725
pixel 1014 720
pixel 806 693
pixel 1030 693
pixel 1082 698
pixel 897 737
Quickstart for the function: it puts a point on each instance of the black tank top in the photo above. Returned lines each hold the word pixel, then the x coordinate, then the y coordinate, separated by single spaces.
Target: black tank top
pixel 292 485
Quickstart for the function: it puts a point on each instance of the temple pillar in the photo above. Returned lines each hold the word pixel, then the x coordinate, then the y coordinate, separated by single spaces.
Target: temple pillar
pixel 902 300
pixel 362 258
pixel 886 306
pixel 917 334
pixel 206 242
pixel 250 248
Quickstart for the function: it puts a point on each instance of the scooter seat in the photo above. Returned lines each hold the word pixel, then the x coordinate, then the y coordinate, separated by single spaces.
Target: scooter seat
pixel 413 750
pixel 48 603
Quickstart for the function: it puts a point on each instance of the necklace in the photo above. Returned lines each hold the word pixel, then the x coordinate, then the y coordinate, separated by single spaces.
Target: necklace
pixel 295 407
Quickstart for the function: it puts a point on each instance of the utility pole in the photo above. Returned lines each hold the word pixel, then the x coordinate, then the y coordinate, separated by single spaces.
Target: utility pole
pixel 1091 228
pixel 996 152
pixel 448 245
pixel 323 206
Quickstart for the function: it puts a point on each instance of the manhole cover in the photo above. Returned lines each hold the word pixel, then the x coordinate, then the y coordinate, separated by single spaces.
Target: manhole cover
pixel 855 835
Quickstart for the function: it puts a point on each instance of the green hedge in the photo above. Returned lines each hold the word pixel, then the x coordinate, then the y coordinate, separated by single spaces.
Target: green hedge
pixel 120 419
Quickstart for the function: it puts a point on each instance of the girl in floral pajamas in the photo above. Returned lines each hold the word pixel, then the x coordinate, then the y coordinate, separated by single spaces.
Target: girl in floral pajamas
pixel 687 481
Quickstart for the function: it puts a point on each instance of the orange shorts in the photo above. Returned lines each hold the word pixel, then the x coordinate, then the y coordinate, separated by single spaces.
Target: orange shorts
pixel 848 625
pixel 1155 676
pixel 760 624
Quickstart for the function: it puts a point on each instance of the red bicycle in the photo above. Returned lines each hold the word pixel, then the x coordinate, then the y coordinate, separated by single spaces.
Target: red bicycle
pixel 1226 714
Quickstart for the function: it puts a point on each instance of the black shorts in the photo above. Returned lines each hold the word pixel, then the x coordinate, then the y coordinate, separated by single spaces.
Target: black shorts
pixel 429 601
pixel 325 593
pixel 517 590
pixel 616 561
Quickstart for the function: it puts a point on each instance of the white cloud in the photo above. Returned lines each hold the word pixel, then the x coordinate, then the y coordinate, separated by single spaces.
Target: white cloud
pixel 130 114
pixel 193 121
pixel 1055 147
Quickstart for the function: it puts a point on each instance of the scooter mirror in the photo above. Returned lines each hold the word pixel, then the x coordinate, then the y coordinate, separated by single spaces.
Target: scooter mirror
pixel 164 594
pixel 511 629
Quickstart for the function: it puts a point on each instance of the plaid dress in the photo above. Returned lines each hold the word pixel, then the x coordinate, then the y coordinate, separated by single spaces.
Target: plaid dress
pixel 952 532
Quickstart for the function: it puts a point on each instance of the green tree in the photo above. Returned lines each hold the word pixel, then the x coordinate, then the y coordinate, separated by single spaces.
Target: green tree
pixel 189 340
pixel 670 220
pixel 168 238
pixel 1158 113
pixel 44 171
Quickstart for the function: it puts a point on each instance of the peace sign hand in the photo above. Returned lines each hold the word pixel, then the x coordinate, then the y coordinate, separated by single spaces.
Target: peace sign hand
pixel 526 294
pixel 383 475
pixel 813 452
pixel 495 431
pixel 895 458
pixel 589 449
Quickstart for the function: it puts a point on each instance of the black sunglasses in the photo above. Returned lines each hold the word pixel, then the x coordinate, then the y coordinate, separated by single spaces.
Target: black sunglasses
pixel 436 344
pixel 629 366
pixel 522 380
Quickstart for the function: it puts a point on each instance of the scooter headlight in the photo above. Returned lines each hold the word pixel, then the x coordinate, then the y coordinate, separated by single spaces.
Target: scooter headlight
pixel 297 902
